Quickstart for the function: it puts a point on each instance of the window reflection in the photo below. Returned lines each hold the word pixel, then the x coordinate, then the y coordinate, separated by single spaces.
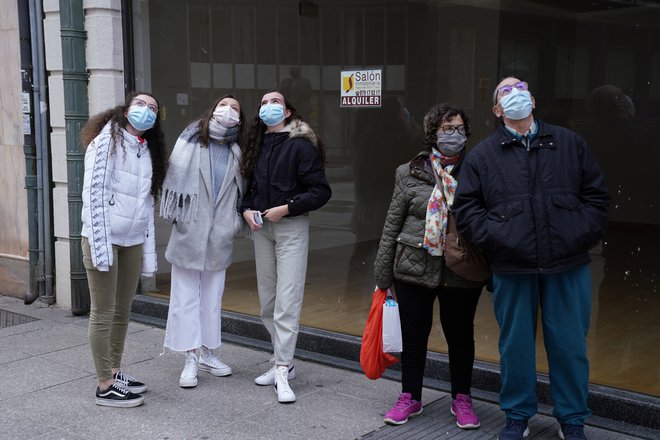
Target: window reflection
pixel 593 66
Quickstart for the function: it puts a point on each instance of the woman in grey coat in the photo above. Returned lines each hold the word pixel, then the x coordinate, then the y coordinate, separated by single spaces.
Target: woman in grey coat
pixel 201 193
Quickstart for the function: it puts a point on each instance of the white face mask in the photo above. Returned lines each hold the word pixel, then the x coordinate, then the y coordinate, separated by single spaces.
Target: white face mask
pixel 226 116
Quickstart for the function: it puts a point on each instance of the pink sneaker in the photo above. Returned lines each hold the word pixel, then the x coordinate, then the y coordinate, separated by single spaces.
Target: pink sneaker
pixel 403 408
pixel 461 407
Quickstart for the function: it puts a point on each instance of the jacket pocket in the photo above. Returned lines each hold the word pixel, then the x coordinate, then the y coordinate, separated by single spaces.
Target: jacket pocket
pixel 511 236
pixel 505 211
pixel 566 201
pixel 568 226
pixel 282 192
pixel 411 257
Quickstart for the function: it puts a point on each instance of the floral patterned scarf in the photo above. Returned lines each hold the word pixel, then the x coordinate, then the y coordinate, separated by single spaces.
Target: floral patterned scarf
pixel 440 201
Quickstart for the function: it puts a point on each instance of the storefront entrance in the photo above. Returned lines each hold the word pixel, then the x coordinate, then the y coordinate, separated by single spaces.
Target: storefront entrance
pixel 592 66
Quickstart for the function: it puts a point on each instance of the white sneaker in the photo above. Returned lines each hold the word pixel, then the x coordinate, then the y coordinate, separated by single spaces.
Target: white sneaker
pixel 268 378
pixel 209 362
pixel 284 392
pixel 188 377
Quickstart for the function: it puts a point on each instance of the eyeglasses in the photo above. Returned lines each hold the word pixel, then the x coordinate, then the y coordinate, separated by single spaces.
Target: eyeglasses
pixel 505 90
pixel 141 103
pixel 450 129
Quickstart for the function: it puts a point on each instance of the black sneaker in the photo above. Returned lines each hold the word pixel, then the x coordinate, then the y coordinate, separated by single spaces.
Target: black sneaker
pixel 133 385
pixel 514 429
pixel 119 396
pixel 572 432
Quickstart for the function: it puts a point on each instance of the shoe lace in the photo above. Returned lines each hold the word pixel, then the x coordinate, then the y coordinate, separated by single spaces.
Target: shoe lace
pixel 124 378
pixel 402 403
pixel 283 376
pixel 515 425
pixel 464 406
pixel 121 387
pixel 212 360
pixel 208 357
pixel 190 359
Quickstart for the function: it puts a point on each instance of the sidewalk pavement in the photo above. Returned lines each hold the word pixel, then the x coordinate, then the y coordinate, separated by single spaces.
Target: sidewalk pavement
pixel 47 385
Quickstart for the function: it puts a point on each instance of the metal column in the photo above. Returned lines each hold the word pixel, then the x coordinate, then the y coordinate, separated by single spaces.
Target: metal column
pixel 76 111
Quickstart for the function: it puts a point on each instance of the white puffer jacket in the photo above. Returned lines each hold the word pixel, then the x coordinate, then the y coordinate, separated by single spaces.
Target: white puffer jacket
pixel 118 207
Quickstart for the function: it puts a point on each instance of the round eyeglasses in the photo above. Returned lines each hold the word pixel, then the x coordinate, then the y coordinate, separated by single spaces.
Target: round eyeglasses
pixel 141 103
pixel 450 129
pixel 505 90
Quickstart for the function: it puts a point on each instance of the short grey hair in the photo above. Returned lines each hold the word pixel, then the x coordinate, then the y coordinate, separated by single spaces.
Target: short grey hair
pixel 495 94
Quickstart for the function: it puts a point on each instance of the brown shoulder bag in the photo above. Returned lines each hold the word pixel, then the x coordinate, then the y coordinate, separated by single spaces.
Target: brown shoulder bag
pixel 462 257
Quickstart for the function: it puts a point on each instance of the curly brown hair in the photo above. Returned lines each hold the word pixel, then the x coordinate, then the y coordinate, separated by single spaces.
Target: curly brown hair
pixel 255 136
pixel 438 114
pixel 116 117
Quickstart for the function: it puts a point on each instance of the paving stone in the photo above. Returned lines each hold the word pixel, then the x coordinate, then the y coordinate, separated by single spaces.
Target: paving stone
pixel 48 381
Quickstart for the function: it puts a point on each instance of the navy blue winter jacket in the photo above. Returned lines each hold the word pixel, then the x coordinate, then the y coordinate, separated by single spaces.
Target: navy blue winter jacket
pixel 536 209
pixel 288 171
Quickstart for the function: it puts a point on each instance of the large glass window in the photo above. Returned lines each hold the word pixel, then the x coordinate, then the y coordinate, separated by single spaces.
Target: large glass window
pixel 592 66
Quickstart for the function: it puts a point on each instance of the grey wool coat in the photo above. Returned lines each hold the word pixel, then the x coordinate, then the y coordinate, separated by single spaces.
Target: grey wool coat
pixel 206 244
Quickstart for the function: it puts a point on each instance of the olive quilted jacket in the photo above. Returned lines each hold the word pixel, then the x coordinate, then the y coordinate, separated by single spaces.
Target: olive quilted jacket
pixel 401 255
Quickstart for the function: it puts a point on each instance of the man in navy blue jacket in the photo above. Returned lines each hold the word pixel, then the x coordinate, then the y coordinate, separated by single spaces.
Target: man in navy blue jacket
pixel 533 198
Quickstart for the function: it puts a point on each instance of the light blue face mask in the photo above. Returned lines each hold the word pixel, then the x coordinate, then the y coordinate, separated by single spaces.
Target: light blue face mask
pixel 271 114
pixel 517 105
pixel 141 118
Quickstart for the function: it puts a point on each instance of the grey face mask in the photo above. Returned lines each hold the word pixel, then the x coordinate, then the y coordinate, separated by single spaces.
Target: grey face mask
pixel 451 144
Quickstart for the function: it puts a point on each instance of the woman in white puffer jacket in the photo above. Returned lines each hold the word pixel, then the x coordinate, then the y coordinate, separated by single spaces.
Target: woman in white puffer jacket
pixel 124 171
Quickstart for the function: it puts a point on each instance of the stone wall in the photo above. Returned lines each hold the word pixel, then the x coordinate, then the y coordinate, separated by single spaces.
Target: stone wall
pixel 105 64
pixel 14 269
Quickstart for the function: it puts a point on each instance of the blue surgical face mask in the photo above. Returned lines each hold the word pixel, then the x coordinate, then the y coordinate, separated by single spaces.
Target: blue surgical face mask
pixel 451 144
pixel 271 114
pixel 517 105
pixel 141 118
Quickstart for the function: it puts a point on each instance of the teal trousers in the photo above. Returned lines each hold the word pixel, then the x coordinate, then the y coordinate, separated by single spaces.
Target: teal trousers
pixel 565 306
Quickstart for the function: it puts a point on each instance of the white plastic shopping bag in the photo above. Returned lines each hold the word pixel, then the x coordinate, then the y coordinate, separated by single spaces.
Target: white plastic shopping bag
pixel 392 342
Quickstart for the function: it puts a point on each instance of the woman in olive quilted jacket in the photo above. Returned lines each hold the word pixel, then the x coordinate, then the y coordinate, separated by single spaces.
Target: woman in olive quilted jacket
pixel 410 257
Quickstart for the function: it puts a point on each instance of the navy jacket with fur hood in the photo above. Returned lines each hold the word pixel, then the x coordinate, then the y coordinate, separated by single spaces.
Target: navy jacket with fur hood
pixel 536 209
pixel 289 171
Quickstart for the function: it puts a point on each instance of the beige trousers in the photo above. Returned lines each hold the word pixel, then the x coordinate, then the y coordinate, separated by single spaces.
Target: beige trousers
pixel 281 259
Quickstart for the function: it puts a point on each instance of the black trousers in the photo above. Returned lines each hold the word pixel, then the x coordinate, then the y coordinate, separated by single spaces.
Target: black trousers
pixel 457 309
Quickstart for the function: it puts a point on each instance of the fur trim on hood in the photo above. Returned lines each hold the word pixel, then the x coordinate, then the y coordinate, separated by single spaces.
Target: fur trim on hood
pixel 299 128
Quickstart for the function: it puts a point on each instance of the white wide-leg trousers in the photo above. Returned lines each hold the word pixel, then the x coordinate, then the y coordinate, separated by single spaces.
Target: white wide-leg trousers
pixel 194 316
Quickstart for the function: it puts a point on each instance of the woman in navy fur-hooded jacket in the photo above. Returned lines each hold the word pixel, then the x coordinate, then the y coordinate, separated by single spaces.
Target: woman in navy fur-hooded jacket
pixel 284 162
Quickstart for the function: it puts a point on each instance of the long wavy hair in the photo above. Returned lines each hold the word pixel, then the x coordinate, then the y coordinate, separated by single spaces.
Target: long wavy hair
pixel 203 124
pixel 255 136
pixel 435 116
pixel 154 137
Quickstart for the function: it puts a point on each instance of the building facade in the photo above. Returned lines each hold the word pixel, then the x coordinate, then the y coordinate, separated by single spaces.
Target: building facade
pixel 593 66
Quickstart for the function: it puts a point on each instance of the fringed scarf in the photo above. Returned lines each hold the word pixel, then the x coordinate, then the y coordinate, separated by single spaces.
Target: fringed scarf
pixel 180 197
pixel 442 197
